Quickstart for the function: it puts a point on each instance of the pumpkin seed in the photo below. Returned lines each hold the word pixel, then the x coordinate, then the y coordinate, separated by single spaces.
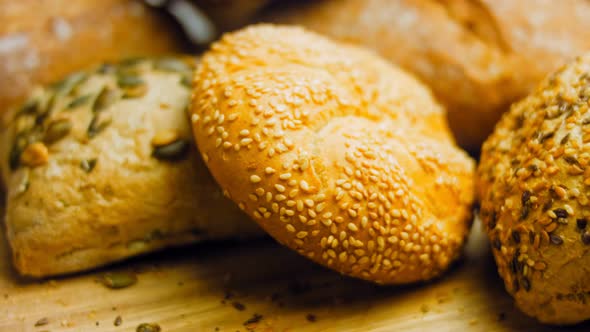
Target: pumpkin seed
pixel 30 107
pixel 97 125
pixel 136 91
pixel 106 68
pixel 78 101
pixel 129 81
pixel 67 85
pixel 116 280
pixel 88 164
pixel 106 97
pixel 57 130
pixel 176 150
pixel 148 327
pixel 171 64
pixel 186 81
pixel 131 62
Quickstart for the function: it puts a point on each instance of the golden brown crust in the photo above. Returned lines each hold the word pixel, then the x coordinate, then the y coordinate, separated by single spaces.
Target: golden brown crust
pixel 42 41
pixel 101 167
pixel 334 152
pixel 533 184
pixel 478 56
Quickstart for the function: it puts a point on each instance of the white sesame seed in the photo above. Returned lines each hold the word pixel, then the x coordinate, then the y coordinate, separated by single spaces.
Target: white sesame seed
pixel 255 178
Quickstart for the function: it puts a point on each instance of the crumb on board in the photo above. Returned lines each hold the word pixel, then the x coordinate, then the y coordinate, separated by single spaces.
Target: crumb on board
pixel 42 321
pixel 238 305
pixel 311 318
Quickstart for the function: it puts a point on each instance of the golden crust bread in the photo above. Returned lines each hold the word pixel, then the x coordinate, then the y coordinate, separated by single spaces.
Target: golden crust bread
pixel 334 152
pixel 101 166
pixel 42 41
pixel 533 184
pixel 477 56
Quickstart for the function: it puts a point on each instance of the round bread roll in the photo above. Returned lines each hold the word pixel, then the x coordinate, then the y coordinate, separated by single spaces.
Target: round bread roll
pixel 334 152
pixel 100 167
pixel 42 41
pixel 533 184
pixel 477 56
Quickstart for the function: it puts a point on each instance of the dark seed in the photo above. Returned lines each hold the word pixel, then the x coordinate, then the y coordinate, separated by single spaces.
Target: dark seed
pixel 546 137
pixel 586 238
pixel 30 107
pixel 116 280
pixel 79 101
pixel 42 321
pixel 171 64
pixel 533 168
pixel 148 327
pixel 570 160
pixel 525 197
pixel 516 237
pixel 493 220
pixel 565 139
pixel 497 244
pixel 97 125
pixel 106 97
pixel 57 130
pixel 560 213
pixel 254 319
pixel 581 223
pixel 556 239
pixel 174 151
pixel 88 165
pixel 526 284
pixel 239 306
pixel 525 212
pixel 129 81
pixel 14 157
pixel 515 285
pixel 118 321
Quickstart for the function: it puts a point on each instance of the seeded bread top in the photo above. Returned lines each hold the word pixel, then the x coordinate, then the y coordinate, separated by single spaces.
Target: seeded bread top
pixel 105 159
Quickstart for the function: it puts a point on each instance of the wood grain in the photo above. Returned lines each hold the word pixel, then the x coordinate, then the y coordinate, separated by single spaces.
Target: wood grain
pixel 196 288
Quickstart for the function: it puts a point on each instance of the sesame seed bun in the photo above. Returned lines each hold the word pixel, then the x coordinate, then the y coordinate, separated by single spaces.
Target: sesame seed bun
pixel 533 180
pixel 336 153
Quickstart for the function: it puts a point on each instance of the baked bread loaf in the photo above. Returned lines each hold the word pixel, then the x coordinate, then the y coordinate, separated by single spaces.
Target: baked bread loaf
pixel 334 152
pixel 100 167
pixel 476 56
pixel 533 184
pixel 43 41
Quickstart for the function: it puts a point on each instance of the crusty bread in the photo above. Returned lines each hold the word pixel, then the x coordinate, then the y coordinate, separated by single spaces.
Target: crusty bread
pixel 477 56
pixel 533 184
pixel 100 167
pixel 334 152
pixel 42 41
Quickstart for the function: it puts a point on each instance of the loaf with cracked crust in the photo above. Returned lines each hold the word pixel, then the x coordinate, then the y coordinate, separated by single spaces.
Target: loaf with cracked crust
pixel 101 166
pixel 533 184
pixel 478 56
pixel 336 153
pixel 43 41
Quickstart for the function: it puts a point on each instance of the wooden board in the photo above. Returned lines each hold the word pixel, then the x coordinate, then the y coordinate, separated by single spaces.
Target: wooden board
pixel 201 288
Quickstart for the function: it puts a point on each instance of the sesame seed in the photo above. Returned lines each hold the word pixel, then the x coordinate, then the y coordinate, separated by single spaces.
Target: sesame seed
pixel 255 178
pixel 290 228
pixel 353 227
pixel 301 235
pixel 285 176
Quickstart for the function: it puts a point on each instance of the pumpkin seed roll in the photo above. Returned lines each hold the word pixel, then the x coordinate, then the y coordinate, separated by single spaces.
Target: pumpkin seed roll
pixel 101 166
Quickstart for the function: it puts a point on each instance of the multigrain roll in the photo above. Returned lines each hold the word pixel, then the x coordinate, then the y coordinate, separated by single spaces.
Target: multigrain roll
pixel 334 152
pixel 100 167
pixel 477 56
pixel 42 41
pixel 533 184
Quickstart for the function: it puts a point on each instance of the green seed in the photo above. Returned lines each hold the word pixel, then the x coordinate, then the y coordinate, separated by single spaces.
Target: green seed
pixel 106 97
pixel 57 130
pixel 176 150
pixel 148 327
pixel 106 68
pixel 129 81
pixel 30 107
pixel 116 280
pixel 171 64
pixel 186 81
pixel 88 165
pixel 69 84
pixel 97 125
pixel 78 101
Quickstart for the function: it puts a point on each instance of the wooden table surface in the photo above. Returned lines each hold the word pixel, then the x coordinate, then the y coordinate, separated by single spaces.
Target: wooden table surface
pixel 219 287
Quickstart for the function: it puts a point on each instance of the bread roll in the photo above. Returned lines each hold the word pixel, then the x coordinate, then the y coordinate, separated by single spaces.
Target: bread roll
pixel 477 56
pixel 100 167
pixel 334 152
pixel 42 41
pixel 533 183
